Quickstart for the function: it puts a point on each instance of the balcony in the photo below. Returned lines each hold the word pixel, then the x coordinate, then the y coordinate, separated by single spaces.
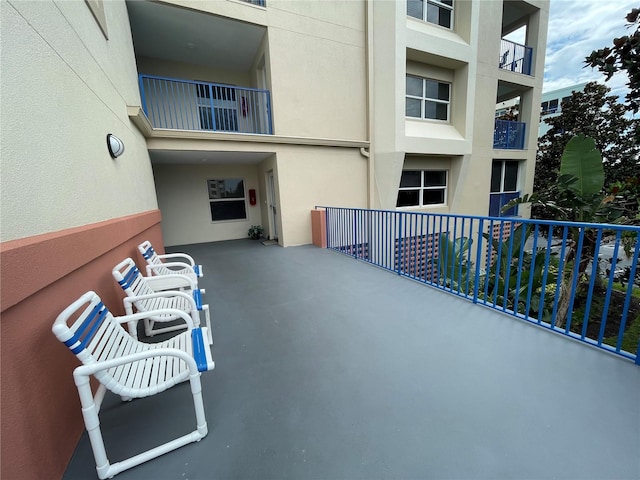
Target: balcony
pixel 327 367
pixel 515 57
pixel 187 105
pixel 259 3
pixel 509 135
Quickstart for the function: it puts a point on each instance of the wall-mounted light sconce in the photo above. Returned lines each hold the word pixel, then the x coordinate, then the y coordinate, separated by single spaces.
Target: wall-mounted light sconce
pixel 115 146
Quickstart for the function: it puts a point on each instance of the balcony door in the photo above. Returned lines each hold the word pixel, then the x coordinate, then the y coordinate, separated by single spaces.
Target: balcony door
pixel 504 187
pixel 217 108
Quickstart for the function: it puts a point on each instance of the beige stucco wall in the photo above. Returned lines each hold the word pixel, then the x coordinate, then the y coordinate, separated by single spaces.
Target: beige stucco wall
pixel 467 57
pixel 317 53
pixel 305 176
pixel 311 176
pixel 64 87
pixel 183 198
pixel 189 71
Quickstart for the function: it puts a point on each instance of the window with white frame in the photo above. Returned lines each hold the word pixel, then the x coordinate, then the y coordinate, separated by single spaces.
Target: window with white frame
pixel 438 12
pixel 427 99
pixel 419 188
pixel 504 176
pixel 227 199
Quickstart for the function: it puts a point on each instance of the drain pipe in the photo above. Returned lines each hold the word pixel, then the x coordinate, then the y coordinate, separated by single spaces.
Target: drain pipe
pixel 370 104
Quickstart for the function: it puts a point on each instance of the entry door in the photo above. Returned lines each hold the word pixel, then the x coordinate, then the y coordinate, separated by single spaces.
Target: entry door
pixel 271 186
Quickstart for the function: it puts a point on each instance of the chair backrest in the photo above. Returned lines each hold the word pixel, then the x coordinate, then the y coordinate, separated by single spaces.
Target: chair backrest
pixel 130 279
pixel 90 331
pixel 148 253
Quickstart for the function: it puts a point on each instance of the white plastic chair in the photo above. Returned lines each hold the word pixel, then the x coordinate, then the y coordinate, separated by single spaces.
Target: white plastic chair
pixel 179 263
pixel 151 293
pixel 131 369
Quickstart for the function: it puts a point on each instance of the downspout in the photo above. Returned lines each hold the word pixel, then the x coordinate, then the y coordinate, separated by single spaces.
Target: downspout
pixel 370 105
pixel 366 154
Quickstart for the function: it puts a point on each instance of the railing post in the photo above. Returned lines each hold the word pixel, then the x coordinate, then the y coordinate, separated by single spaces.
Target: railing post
pixel 400 241
pixel 476 283
pixel 143 98
pixel 213 109
pixel 326 219
pixel 355 233
pixel 268 94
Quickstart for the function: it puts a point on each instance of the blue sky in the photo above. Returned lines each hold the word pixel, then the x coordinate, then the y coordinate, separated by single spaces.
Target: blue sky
pixel 576 28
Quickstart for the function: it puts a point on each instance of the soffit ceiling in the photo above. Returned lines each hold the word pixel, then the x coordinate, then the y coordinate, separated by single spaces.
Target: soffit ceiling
pixel 198 157
pixel 179 34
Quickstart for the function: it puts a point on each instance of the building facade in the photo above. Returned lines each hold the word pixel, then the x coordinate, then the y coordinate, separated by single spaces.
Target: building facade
pixel 551 104
pixel 232 113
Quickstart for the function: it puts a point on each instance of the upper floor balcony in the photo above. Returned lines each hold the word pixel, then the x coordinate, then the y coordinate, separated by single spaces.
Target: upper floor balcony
pixel 509 135
pixel 515 57
pixel 188 105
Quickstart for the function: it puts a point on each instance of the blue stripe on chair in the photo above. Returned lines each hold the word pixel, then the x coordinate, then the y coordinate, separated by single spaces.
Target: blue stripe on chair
pixel 196 268
pixel 129 277
pixel 95 327
pixel 92 320
pixel 148 253
pixel 197 296
pixel 199 354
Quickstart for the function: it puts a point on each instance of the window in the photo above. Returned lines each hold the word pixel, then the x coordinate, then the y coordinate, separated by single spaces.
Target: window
pixel 549 107
pixel 419 188
pixel 226 199
pixel 504 187
pixel 428 99
pixel 438 12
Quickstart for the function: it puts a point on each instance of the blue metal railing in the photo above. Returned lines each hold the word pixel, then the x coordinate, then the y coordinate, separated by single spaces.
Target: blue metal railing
pixel 515 57
pixel 537 270
pixel 188 105
pixel 509 135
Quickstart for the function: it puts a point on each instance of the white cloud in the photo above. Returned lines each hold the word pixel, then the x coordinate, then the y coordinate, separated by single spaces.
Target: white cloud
pixel 576 28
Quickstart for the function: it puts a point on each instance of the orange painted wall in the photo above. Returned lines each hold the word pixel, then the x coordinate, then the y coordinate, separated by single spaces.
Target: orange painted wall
pixel 41 421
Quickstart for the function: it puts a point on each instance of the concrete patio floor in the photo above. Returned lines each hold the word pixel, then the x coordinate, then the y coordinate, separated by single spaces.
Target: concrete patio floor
pixel 330 368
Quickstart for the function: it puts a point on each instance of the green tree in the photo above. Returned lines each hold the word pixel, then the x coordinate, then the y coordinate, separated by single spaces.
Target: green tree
pixel 624 55
pixel 596 114
pixel 577 195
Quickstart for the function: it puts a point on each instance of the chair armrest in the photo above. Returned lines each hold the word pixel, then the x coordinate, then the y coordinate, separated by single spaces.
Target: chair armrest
pixel 93 368
pixel 134 317
pixel 167 294
pixel 188 258
pixel 170 282
pixel 182 265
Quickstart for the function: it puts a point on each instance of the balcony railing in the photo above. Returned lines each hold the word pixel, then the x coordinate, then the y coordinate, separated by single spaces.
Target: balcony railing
pixel 515 57
pixel 509 135
pixel 260 3
pixel 187 105
pixel 540 271
pixel 499 200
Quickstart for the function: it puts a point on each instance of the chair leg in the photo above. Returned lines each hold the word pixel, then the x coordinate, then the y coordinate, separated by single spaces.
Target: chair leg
pixel 92 422
pixel 148 328
pixel 196 391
